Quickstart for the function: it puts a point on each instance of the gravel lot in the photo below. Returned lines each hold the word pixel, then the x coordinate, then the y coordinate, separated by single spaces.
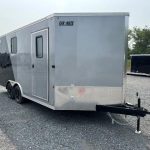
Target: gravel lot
pixel 142 85
pixel 32 126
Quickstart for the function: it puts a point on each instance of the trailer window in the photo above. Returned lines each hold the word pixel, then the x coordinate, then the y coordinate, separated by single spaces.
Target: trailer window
pixel 14 45
pixel 39 46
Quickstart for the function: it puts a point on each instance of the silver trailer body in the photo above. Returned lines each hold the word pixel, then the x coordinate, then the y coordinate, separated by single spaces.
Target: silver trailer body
pixel 70 61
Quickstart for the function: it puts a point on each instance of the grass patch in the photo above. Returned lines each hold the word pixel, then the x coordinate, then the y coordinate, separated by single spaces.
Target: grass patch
pixel 129 65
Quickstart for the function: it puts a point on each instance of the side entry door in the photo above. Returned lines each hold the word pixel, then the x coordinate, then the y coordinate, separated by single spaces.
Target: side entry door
pixel 39 54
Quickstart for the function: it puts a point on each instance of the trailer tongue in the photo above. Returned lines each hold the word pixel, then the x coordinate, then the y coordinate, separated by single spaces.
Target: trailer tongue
pixel 126 109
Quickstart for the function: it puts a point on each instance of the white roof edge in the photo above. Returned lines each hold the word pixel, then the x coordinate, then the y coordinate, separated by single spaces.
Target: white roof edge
pixel 71 14
pixel 91 14
pixel 140 55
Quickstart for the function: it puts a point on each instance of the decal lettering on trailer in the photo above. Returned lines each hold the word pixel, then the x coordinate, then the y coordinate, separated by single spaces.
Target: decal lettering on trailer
pixel 66 23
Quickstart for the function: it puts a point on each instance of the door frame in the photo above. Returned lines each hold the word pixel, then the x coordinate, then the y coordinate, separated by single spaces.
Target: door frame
pixel 47 47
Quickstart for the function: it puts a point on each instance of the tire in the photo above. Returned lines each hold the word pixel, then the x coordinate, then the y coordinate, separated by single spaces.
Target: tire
pixel 8 87
pixel 18 97
pixel 10 90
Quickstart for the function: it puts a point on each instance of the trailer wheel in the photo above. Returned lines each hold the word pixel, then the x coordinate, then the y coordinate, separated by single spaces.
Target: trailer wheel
pixel 10 90
pixel 8 87
pixel 18 97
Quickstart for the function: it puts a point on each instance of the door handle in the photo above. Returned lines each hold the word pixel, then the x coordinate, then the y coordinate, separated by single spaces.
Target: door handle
pixel 32 65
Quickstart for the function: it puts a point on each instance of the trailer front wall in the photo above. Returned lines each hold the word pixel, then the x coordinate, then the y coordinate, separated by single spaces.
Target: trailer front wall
pixel 18 67
pixel 6 71
pixel 89 61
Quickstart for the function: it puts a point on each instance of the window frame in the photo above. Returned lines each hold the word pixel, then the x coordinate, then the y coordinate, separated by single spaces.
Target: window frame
pixel 36 46
pixel 14 51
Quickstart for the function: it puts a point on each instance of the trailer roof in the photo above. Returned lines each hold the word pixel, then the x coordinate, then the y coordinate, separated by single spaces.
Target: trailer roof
pixel 71 14
pixel 139 55
pixel 91 14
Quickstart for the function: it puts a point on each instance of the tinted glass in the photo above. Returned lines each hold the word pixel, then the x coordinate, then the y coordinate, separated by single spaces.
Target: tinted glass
pixel 39 47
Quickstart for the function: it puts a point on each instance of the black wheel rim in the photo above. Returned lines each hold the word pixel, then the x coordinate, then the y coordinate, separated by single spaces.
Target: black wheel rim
pixel 9 91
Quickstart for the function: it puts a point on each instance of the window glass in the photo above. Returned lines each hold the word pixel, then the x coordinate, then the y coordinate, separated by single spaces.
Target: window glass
pixel 39 46
pixel 14 45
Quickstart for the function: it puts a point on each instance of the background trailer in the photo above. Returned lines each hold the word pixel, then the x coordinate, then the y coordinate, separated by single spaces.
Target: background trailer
pixel 67 61
pixel 140 63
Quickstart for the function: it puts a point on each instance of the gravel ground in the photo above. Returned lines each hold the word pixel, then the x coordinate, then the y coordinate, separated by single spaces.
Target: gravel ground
pixel 32 126
pixel 5 143
pixel 142 85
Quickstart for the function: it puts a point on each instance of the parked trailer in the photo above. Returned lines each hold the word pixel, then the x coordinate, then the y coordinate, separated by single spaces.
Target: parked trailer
pixel 140 64
pixel 71 61
pixel 68 61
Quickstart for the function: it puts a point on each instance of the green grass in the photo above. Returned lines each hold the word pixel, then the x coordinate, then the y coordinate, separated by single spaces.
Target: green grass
pixel 128 65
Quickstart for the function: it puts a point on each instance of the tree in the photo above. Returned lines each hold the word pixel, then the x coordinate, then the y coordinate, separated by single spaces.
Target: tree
pixel 139 41
pixel 129 43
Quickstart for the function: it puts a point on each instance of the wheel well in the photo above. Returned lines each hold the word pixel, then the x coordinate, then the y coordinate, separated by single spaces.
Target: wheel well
pixel 17 84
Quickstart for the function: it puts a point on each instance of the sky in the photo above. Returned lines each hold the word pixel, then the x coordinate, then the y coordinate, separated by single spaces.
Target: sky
pixel 17 13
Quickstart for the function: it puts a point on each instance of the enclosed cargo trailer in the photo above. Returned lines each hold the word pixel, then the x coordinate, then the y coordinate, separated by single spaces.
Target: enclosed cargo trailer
pixel 71 61
pixel 140 64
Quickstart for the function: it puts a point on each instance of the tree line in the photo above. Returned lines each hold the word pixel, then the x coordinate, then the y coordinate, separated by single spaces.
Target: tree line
pixel 139 41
